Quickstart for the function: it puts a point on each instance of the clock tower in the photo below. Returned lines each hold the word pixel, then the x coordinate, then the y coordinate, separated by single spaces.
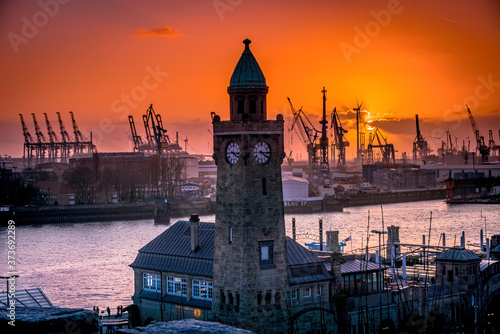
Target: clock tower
pixel 250 277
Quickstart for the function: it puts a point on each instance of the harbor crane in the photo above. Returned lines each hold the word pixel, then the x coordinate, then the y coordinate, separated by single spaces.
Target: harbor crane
pixel 420 149
pixel 136 139
pixel 358 133
pixel 340 142
pixel 29 142
pixel 40 141
pixel 316 143
pixel 494 148
pixel 157 139
pixel 54 140
pixel 481 147
pixel 52 148
pixel 306 132
pixel 65 139
pixel 386 149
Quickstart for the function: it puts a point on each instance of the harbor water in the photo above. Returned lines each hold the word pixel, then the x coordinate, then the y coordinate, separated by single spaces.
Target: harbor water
pixel 87 264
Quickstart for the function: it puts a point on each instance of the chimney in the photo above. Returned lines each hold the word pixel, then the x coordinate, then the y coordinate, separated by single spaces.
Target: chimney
pixel 332 241
pixel 195 238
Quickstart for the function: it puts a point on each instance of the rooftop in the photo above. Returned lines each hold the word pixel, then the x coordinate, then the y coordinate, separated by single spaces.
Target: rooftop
pixel 458 254
pixel 171 251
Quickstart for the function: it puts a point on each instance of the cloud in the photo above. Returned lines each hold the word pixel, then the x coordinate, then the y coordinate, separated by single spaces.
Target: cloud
pixel 166 31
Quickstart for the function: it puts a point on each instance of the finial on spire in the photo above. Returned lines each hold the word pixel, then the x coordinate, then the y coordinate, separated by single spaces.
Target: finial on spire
pixel 247 43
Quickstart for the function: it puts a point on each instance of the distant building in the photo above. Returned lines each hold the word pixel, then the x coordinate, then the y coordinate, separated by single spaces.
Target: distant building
pixel 404 178
pixel 468 171
pixel 295 188
pixel 102 195
pixel 190 189
pixel 56 193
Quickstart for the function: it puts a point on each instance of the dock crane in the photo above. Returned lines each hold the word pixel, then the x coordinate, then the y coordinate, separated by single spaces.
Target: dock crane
pixel 53 139
pixel 386 149
pixel 420 149
pixel 53 148
pixel 41 140
pixel 358 137
pixel 483 149
pixel 81 142
pixel 317 146
pixel 136 139
pixel 340 142
pixel 324 167
pixel 29 142
pixel 306 132
pixel 157 140
pixel 154 131
pixel 65 139
pixel 494 148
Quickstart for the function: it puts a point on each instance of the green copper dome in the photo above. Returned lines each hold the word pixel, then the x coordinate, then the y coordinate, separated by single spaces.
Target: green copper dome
pixel 247 73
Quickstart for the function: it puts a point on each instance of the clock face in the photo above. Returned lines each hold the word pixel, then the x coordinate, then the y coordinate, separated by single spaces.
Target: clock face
pixel 232 153
pixel 262 152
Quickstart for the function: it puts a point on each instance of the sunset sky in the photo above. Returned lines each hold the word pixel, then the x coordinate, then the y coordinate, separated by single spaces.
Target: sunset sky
pixel 105 60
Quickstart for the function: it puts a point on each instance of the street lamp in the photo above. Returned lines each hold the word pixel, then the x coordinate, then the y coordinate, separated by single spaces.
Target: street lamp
pixel 7 281
pixel 379 271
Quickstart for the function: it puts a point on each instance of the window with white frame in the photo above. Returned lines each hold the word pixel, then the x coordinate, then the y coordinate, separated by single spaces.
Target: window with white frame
pixel 295 293
pixel 151 282
pixel 319 290
pixel 306 292
pixel 202 289
pixel 176 286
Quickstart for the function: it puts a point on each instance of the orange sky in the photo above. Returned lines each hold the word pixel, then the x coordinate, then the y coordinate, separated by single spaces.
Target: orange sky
pixel 96 58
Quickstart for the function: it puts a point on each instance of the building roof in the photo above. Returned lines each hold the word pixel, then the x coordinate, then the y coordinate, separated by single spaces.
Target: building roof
pixel 458 254
pixel 171 252
pixel 484 264
pixel 357 266
pixel 291 178
pixel 247 73
pixel 496 249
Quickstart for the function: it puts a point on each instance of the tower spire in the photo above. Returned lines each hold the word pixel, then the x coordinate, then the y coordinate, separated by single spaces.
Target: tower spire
pixel 247 89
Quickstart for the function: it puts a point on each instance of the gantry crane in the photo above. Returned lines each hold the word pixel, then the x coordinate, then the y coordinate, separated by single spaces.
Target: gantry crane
pixel 386 149
pixel 420 149
pixel 29 143
pixel 45 148
pixel 481 147
pixel 65 140
pixel 53 139
pixel 340 142
pixel 40 148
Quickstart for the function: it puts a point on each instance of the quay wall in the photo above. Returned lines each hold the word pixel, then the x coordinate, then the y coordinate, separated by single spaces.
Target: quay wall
pixel 104 212
pixel 331 203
